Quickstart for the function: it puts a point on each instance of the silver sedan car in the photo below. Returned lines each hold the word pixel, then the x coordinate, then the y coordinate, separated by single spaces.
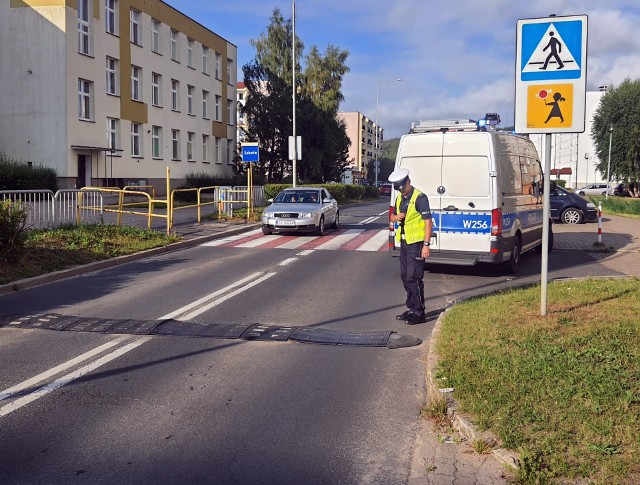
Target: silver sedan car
pixel 301 209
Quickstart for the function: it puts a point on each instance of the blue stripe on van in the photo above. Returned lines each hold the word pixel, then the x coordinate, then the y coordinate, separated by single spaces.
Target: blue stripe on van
pixel 463 223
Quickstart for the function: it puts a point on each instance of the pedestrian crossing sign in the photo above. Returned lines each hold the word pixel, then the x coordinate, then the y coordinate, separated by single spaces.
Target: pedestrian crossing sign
pixel 551 64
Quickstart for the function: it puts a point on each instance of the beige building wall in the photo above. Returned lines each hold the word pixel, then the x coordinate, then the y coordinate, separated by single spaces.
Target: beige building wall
pixel 39 111
pixel 361 130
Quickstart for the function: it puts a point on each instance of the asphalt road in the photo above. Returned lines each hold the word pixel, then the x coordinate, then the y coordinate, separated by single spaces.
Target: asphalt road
pixel 168 409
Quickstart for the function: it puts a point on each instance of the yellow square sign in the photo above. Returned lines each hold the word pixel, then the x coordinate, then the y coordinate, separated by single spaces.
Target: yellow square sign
pixel 550 106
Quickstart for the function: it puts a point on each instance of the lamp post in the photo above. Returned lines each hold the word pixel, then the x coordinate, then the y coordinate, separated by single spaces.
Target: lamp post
pixel 376 168
pixel 586 182
pixel 609 162
pixel 293 88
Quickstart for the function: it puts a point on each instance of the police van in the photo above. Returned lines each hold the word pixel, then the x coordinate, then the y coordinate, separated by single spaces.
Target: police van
pixel 484 188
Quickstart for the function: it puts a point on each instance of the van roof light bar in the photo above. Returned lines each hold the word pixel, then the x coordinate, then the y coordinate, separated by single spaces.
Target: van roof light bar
pixel 443 125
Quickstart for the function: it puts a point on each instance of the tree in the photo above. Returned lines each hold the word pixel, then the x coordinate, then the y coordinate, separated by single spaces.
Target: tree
pixel 619 108
pixel 268 79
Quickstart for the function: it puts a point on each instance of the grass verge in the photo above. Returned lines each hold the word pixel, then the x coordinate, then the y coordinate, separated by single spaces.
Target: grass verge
pixel 620 206
pixel 67 246
pixel 561 389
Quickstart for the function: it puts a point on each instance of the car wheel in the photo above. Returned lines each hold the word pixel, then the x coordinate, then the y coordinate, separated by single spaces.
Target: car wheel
pixel 513 264
pixel 266 231
pixel 336 223
pixel 581 193
pixel 571 215
pixel 320 228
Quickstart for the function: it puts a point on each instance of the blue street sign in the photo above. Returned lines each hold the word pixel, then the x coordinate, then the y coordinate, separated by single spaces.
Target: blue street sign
pixel 250 153
pixel 552 50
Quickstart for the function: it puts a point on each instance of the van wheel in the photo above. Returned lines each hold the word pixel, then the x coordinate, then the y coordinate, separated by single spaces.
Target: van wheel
pixel 571 215
pixel 513 264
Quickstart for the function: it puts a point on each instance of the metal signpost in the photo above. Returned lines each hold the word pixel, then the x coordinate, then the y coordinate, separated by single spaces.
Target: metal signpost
pixel 250 154
pixel 551 78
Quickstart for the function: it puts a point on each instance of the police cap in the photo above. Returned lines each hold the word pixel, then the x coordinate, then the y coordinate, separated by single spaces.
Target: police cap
pixel 399 177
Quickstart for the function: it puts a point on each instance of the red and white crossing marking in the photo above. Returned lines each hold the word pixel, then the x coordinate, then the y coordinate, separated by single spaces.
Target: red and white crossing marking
pixel 342 239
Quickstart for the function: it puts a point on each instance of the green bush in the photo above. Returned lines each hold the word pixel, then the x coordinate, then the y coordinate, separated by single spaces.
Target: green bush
pixel 561 182
pixel 13 227
pixel 343 193
pixel 15 175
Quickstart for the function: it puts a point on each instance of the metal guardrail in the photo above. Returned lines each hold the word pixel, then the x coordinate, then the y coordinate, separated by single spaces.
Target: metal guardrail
pixel 66 206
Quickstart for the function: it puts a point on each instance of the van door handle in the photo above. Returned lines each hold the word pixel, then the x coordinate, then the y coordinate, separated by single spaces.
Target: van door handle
pixel 451 208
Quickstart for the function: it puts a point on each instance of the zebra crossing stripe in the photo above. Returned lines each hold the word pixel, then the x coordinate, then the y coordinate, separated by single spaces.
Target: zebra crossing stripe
pixel 225 240
pixel 374 244
pixel 339 240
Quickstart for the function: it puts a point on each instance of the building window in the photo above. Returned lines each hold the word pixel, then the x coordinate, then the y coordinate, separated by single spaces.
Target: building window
pixel 136 38
pixel 216 149
pixel 155 36
pixel 175 95
pixel 205 104
pixel 189 52
pixel 136 139
pixel 229 71
pixel 174 46
pixel 205 60
pixel 217 66
pixel 230 152
pixel 112 76
pixel 231 113
pixel 113 133
pixel 191 138
pixel 190 91
pixel 205 148
pixel 156 142
pixel 111 16
pixel 136 86
pixel 175 144
pixel 84 27
pixel 156 89
pixel 218 101
pixel 85 94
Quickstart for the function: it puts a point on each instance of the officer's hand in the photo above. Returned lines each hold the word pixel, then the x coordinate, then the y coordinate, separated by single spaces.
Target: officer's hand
pixel 399 217
pixel 425 252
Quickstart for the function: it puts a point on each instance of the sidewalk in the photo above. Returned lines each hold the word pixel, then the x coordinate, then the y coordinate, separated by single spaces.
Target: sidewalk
pixel 438 458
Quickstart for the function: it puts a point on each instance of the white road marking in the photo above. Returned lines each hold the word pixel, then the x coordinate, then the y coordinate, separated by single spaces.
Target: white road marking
pixel 210 296
pixel 227 296
pixel 384 213
pixel 62 367
pixel 258 242
pixel 288 261
pixel 305 252
pixel 376 242
pixel 338 241
pixel 225 240
pixel 43 391
pixel 297 242
pixel 366 221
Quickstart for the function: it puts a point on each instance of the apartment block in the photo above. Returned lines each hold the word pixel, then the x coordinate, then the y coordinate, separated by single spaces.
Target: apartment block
pixel 366 139
pixel 112 92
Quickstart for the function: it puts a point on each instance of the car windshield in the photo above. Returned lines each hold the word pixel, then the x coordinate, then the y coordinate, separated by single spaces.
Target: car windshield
pixel 298 197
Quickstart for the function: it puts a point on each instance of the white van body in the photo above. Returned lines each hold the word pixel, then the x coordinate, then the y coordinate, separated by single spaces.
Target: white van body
pixel 485 193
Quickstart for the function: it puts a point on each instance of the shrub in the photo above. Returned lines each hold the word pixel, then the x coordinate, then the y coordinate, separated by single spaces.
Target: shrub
pixel 15 175
pixel 13 227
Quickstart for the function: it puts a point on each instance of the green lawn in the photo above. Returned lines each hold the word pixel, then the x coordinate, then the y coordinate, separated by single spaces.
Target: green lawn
pixel 564 389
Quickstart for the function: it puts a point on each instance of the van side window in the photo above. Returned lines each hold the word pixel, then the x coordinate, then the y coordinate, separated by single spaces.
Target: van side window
pixel 528 175
pixel 511 182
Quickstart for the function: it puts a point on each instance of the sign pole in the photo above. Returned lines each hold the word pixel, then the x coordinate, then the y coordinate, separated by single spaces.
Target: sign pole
pixel 544 271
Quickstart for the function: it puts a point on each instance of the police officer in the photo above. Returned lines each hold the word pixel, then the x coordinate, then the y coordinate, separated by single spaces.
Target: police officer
pixel 412 219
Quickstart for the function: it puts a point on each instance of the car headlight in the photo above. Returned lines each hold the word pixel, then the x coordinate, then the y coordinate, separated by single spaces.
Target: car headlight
pixel 267 214
pixel 590 205
pixel 306 215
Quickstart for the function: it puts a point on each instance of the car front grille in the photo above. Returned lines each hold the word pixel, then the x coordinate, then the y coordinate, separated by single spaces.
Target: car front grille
pixel 287 215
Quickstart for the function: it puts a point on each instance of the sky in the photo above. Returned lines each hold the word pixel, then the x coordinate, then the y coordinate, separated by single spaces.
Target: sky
pixel 456 59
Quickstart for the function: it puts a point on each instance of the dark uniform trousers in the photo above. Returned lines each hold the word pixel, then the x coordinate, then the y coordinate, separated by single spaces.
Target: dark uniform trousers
pixel 411 272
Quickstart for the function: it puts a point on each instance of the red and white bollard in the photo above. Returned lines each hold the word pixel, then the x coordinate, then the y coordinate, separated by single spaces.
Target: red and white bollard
pixel 599 222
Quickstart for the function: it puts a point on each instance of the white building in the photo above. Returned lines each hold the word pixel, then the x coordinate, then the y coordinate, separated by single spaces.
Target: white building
pixel 575 152
pixel 112 92
pixel 366 140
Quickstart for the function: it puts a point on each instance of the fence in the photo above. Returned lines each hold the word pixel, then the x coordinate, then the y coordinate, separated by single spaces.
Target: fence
pixel 66 206
pixel 88 205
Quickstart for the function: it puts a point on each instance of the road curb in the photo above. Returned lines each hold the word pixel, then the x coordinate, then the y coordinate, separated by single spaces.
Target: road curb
pixel 118 260
pixel 461 422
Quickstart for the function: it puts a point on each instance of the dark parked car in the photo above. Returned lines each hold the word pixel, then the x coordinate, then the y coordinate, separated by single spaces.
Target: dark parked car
pixel 570 208
pixel 621 190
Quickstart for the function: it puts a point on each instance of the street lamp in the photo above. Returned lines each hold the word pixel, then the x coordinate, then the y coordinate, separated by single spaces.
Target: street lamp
pixel 293 88
pixel 609 162
pixel 586 182
pixel 376 168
